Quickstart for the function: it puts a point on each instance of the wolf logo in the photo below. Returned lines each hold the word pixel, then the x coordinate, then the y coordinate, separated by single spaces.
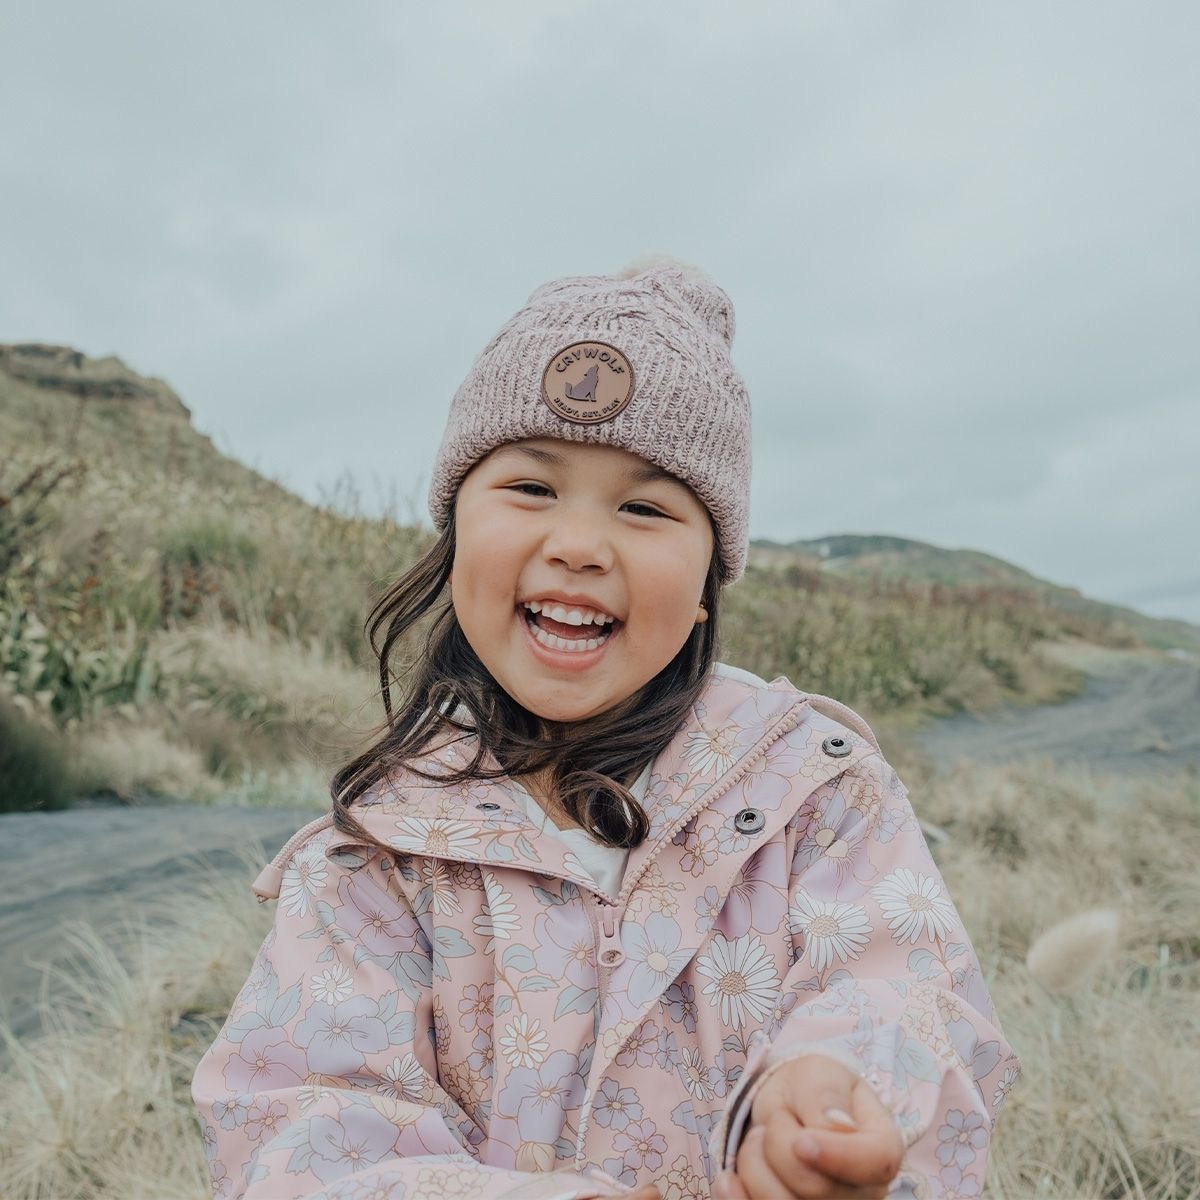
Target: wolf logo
pixel 585 389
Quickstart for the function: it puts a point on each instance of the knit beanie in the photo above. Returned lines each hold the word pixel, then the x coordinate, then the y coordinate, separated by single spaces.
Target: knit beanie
pixel 638 360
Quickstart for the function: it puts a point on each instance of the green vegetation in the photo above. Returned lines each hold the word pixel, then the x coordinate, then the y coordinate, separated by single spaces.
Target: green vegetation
pixel 32 757
pixel 187 628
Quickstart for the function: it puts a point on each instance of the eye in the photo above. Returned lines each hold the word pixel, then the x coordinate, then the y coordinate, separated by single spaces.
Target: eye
pixel 635 504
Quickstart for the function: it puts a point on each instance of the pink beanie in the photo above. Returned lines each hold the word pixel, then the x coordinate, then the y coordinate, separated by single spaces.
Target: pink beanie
pixel 638 360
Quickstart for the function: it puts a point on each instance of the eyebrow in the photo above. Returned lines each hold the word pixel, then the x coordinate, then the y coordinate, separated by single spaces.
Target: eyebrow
pixel 634 474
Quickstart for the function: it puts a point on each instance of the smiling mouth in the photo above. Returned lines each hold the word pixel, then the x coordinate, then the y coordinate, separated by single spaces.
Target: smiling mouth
pixel 555 635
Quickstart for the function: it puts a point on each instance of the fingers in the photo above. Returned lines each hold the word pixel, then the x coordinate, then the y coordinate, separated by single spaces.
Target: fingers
pixel 867 1149
pixel 816 1088
pixel 792 1174
pixel 727 1186
pixel 756 1175
pixel 826 1086
pixel 855 1147
pixel 869 1159
pixel 649 1192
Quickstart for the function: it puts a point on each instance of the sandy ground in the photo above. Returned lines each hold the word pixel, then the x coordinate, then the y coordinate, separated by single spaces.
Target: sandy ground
pixel 1139 712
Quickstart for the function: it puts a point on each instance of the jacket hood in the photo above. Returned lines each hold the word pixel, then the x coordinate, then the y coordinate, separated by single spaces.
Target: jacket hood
pixel 735 720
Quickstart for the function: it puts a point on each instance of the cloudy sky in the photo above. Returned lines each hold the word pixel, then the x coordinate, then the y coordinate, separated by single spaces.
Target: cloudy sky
pixel 961 239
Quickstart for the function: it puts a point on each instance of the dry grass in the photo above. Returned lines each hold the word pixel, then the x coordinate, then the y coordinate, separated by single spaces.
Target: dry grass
pixel 1109 1102
pixel 1108 1105
pixel 98 1106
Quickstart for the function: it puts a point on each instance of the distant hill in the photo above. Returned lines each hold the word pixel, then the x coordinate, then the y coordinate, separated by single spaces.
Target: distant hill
pixel 889 559
pixel 55 399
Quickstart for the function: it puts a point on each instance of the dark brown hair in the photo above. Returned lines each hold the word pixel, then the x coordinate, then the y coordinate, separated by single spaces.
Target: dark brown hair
pixel 590 765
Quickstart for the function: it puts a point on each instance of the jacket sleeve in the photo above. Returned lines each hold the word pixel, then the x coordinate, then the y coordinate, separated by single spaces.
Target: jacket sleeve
pixel 323 1081
pixel 884 980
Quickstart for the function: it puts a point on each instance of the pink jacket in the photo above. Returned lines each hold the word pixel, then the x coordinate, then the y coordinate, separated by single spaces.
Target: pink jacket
pixel 469 1018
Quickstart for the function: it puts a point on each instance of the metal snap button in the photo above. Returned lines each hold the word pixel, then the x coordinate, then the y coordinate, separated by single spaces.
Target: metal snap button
pixel 488 806
pixel 749 820
pixel 835 746
pixel 612 958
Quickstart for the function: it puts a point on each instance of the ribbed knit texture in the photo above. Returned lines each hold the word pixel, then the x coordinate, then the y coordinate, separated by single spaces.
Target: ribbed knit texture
pixel 689 412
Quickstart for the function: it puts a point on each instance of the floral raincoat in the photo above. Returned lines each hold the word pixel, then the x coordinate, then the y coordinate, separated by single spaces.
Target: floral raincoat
pixel 470 1017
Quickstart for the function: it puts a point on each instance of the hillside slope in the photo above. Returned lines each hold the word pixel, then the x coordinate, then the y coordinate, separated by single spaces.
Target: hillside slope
pixel 889 559
pixel 56 401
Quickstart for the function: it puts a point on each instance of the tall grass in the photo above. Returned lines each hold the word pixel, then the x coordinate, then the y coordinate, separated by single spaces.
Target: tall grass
pixel 216 632
pixel 1108 1105
pixel 98 1105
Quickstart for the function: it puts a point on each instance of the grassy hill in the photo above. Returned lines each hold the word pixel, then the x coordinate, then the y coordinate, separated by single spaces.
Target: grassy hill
pixel 890 559
pixel 174 623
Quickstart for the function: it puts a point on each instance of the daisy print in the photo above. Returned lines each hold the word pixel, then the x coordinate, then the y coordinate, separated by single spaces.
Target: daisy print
pixel 332 985
pixel 710 751
pixel 1004 1087
pixel 442 898
pixel 695 1074
pixel 914 906
pixel 304 877
pixel 830 930
pixel 524 1042
pixel 438 836
pixel 500 921
pixel 744 979
pixel 404 1079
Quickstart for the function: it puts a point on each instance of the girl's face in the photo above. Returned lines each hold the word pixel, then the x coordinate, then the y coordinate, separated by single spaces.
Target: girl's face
pixel 593 529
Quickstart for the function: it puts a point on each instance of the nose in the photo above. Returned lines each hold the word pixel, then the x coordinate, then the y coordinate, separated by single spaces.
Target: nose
pixel 578 541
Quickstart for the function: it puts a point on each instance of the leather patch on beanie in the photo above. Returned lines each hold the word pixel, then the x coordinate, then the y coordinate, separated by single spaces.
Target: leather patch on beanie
pixel 588 382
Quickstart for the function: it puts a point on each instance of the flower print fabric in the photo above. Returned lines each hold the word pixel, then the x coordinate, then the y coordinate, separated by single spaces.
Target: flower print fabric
pixel 468 1016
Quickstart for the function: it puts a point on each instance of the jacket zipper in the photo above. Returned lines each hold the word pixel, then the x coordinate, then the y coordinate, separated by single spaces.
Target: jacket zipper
pixel 603 915
pixel 604 926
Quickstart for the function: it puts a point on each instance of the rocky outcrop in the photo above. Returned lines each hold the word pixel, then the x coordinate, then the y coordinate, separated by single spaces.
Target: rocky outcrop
pixel 65 369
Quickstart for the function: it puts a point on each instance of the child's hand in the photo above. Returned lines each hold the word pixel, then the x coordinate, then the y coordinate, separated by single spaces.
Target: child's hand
pixel 848 1163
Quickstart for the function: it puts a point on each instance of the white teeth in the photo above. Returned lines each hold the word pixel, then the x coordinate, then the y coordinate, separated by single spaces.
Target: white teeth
pixel 573 646
pixel 569 616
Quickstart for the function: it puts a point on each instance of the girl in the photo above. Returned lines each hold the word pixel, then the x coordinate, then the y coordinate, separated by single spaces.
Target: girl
pixel 599 915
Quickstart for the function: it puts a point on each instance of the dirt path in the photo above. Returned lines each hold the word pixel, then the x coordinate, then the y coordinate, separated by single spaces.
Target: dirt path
pixel 102 863
pixel 1140 711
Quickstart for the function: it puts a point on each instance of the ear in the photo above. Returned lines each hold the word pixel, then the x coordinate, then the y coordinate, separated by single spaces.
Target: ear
pixel 701 615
